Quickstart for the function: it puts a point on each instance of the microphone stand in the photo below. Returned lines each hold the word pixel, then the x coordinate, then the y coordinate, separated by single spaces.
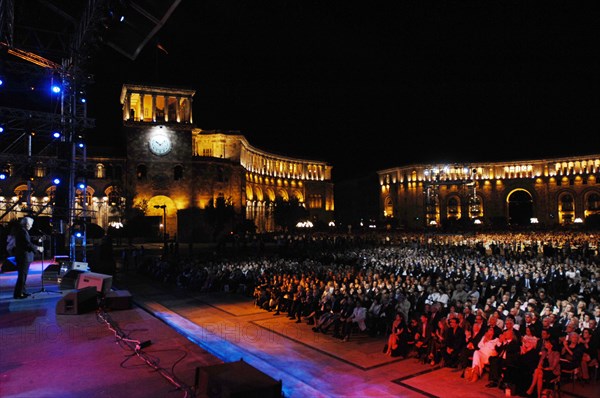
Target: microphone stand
pixel 43 288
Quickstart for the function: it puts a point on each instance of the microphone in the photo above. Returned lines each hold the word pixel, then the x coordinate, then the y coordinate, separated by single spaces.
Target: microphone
pixel 42 235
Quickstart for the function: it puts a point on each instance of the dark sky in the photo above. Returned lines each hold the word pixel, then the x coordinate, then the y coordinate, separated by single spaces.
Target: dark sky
pixel 370 85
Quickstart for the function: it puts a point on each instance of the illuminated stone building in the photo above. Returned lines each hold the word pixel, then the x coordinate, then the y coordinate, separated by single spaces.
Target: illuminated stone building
pixel 173 163
pixel 548 192
pixel 172 170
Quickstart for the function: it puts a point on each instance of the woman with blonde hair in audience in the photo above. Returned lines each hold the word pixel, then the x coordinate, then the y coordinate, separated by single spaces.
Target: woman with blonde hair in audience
pixel 581 309
pixel 481 356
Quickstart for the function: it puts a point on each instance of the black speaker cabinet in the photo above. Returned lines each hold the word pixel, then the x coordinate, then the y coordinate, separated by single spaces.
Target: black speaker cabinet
pixel 118 300
pixel 51 273
pixel 78 302
pixel 101 282
pixel 237 380
pixel 69 280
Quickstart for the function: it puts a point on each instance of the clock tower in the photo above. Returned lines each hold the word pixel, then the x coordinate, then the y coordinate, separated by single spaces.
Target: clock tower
pixel 158 126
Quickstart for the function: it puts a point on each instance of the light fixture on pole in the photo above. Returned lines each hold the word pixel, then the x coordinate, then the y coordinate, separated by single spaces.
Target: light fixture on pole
pixel 164 208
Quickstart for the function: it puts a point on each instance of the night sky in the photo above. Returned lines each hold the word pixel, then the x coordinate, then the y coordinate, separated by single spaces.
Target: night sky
pixel 370 85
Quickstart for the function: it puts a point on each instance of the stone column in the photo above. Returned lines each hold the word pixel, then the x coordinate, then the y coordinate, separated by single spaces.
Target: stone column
pixel 154 107
pixel 141 118
pixel 190 100
pixel 127 107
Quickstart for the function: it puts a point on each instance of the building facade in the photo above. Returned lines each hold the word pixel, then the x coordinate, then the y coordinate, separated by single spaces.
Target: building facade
pixel 548 192
pixel 172 172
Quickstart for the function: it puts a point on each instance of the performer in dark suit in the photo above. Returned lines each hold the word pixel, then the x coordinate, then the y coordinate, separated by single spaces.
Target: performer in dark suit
pixel 24 252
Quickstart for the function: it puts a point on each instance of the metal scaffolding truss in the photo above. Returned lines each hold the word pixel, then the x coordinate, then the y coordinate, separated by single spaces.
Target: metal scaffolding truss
pixel 59 38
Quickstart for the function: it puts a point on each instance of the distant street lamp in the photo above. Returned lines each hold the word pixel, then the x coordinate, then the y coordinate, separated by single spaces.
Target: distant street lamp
pixel 164 208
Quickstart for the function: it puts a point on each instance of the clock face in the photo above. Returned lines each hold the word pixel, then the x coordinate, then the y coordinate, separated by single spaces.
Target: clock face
pixel 160 144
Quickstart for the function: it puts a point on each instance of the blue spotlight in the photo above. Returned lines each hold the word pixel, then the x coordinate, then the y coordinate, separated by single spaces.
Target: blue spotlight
pixel 78 234
pixel 56 181
pixel 56 134
pixel 83 100
pixel 80 145
pixel 1 129
pixel 4 172
pixel 55 88
pixel 1 81
pixel 80 183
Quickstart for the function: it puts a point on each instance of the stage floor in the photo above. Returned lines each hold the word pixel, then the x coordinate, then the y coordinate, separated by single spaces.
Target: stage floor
pixel 44 354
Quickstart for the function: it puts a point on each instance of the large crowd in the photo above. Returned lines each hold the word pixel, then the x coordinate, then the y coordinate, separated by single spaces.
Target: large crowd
pixel 522 307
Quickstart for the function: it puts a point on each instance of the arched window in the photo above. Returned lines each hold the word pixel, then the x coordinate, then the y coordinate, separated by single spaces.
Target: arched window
pixel 80 197
pixel 389 207
pixel 593 202
pixel 177 173
pixel 113 198
pixel 453 208
pixel 100 171
pixel 141 172
pixel 566 208
pixel 117 173
pixel 566 203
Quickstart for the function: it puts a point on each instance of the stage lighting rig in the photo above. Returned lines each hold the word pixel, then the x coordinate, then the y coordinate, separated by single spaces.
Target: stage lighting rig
pixel 4 172
pixel 81 183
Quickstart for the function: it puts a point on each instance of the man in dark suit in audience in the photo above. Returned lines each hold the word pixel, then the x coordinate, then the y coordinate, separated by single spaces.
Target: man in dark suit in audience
pixel 526 283
pixel 503 365
pixel 455 341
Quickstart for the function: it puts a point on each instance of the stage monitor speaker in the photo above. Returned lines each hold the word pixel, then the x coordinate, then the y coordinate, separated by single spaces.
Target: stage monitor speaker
pixel 237 380
pixel 69 280
pixel 78 302
pixel 80 265
pixel 101 282
pixel 118 300
pixel 51 273
pixel 59 259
